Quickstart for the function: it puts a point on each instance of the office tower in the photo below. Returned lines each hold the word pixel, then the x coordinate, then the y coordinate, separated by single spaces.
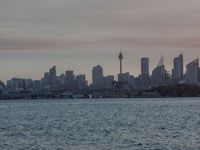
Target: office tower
pixel 69 74
pixel 17 84
pixel 46 79
pixel 192 73
pixel 145 66
pixel 125 77
pixel 61 80
pixel 28 84
pixel 37 85
pixel 52 76
pixel 97 75
pixel 158 74
pixel 81 78
pixel 108 81
pixel 81 81
pixel 144 79
pixel 177 72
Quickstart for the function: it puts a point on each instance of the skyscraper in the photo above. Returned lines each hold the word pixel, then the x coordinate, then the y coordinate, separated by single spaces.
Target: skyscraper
pixel 81 81
pixel 46 79
pixel 108 81
pixel 69 74
pixel 192 73
pixel 97 75
pixel 145 66
pixel 52 76
pixel 177 71
pixel 144 83
pixel 159 74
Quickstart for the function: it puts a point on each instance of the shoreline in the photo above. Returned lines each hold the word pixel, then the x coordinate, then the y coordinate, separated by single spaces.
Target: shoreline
pixel 103 98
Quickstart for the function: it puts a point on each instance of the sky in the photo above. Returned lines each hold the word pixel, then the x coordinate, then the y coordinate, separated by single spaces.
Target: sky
pixel 78 34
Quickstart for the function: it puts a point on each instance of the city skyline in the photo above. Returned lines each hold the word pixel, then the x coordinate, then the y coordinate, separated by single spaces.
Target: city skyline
pixel 52 84
pixel 35 35
pixel 145 69
pixel 99 74
pixel 126 63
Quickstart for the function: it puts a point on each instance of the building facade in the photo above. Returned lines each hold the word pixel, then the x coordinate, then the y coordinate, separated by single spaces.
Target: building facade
pixel 192 72
pixel 177 71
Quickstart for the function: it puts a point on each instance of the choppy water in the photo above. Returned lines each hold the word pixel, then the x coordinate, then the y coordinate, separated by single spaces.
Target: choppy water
pixel 100 124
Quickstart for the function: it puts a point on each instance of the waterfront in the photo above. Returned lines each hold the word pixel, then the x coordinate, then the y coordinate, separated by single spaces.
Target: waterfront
pixel 100 124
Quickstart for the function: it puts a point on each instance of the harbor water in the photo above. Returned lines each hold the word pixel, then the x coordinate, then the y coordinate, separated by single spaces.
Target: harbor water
pixel 100 124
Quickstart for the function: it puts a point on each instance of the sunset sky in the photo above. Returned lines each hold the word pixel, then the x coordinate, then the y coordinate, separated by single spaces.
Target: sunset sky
pixel 78 34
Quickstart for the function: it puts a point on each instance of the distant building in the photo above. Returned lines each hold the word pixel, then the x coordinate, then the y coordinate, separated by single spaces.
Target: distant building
pixel 127 80
pixel 61 79
pixel 37 86
pixel 145 66
pixel 97 76
pixel 193 72
pixel 168 79
pixel 52 76
pixel 16 85
pixel 158 77
pixel 124 77
pixel 144 79
pixel 28 84
pixel 108 81
pixel 46 79
pixel 2 86
pixel 69 75
pixel 81 81
pixel 177 71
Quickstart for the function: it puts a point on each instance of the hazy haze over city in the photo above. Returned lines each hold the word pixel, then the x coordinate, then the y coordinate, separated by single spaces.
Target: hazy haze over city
pixel 77 34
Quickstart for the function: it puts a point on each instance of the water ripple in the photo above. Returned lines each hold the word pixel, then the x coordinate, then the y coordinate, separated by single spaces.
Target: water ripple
pixel 152 124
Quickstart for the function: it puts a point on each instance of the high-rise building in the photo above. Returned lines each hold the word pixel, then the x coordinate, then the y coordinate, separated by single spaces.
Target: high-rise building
pixel 28 84
pixel 192 72
pixel 69 74
pixel 177 71
pixel 81 78
pixel 144 78
pixel 145 66
pixel 46 79
pixel 52 76
pixel 81 81
pixel 158 77
pixel 108 81
pixel 61 80
pixel 97 75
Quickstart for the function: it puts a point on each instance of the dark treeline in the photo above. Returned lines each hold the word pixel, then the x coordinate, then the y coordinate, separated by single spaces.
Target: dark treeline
pixel 182 90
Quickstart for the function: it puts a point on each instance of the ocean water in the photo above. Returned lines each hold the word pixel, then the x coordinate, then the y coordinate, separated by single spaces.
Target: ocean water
pixel 104 124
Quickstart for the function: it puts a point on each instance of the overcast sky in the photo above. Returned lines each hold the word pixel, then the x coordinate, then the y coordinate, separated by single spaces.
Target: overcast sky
pixel 77 34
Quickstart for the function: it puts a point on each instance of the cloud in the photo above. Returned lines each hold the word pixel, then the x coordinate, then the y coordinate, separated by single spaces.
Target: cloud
pixel 75 31
pixel 46 24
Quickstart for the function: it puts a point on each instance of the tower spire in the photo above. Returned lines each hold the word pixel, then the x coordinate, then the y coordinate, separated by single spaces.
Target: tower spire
pixel 120 59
